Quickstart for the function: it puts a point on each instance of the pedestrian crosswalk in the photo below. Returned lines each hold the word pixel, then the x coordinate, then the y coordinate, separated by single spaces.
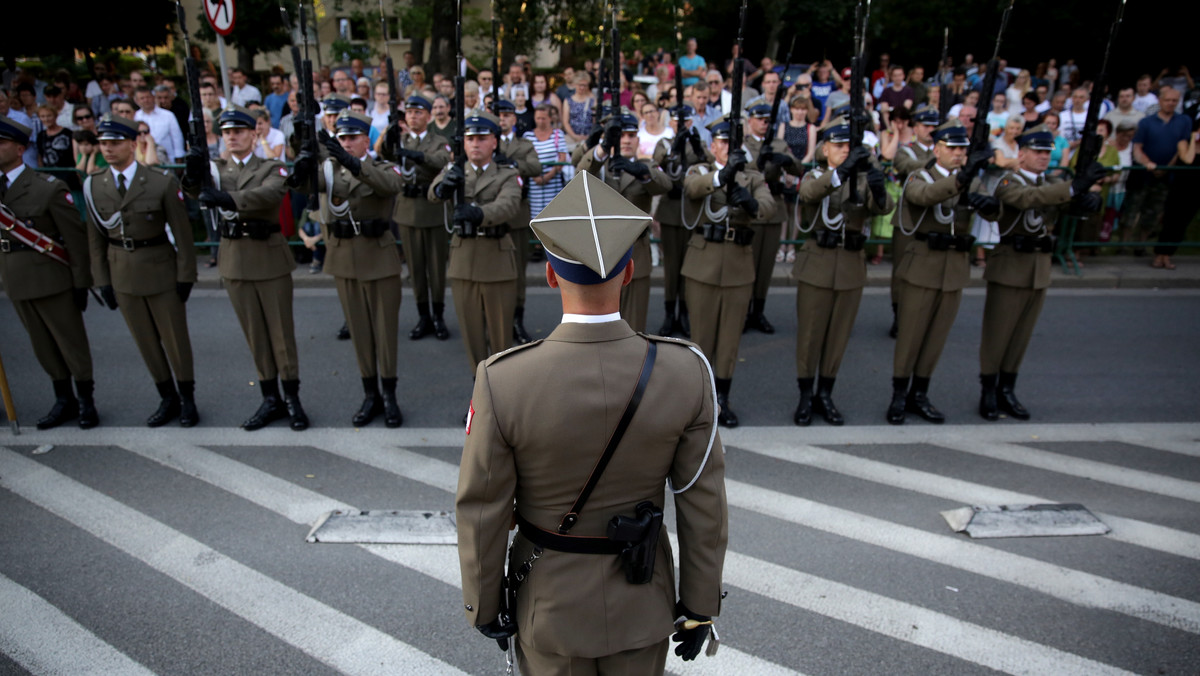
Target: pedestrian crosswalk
pixel 838 561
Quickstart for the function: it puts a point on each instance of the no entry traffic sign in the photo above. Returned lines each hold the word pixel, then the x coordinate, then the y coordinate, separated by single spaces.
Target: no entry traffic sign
pixel 220 15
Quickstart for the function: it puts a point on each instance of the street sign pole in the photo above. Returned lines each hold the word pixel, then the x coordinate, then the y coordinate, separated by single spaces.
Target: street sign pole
pixel 224 68
pixel 221 15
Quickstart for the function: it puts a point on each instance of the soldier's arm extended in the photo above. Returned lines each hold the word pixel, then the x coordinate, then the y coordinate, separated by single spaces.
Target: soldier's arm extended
pixel 659 183
pixel 762 195
pixel 432 194
pixel 589 163
pixel 814 188
pixel 437 157
pixel 527 160
pixel 507 204
pixel 74 233
pixel 487 485
pixel 923 193
pixel 381 177
pixel 699 184
pixel 905 162
pixel 1013 193
pixel 181 228
pixel 267 194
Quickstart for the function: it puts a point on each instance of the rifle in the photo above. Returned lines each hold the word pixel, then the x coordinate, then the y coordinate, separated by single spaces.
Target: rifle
pixel 614 153
pixel 943 86
pixel 735 107
pixel 390 71
pixel 1089 143
pixel 858 104
pixel 680 120
pixel 304 122
pixel 980 131
pixel 773 126
pixel 496 63
pixel 197 134
pixel 460 106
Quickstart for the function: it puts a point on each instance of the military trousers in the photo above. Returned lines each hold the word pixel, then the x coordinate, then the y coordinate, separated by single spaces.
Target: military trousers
pixel 826 318
pixel 764 247
pixel 485 316
pixel 160 331
pixel 426 250
pixel 520 238
pixel 264 309
pixel 718 314
pixel 899 244
pixel 646 661
pixel 1009 315
pixel 372 310
pixel 60 342
pixel 924 318
pixel 674 246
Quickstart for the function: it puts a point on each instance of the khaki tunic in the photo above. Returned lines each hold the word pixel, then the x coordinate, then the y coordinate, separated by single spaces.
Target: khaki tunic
pixel 909 159
pixel 521 151
pixel 768 232
pixel 483 270
pixel 422 226
pixel 1017 282
pixel 829 281
pixel 542 414
pixel 672 229
pixel 720 274
pixel 635 296
pixel 40 287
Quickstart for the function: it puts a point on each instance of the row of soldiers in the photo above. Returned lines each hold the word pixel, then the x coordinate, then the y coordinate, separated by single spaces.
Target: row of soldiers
pixel 721 223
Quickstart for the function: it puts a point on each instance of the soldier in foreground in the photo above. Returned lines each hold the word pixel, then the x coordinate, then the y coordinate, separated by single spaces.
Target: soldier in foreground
pixel 540 416
pixel 910 158
pixel 46 273
pixel 255 264
pixel 137 268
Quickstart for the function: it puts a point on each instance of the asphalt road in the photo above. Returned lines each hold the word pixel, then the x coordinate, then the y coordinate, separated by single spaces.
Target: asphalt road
pixel 125 550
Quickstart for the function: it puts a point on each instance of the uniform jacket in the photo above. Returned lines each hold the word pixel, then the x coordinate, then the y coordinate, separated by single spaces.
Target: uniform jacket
pixel 827 208
pixel 370 195
pixel 1023 207
pixel 485 259
pixel 773 174
pixel 257 190
pixel 668 207
pixel 521 151
pixel 418 212
pixel 910 158
pixel 639 194
pixel 153 202
pixel 929 204
pixel 721 263
pixel 43 203
pixel 542 415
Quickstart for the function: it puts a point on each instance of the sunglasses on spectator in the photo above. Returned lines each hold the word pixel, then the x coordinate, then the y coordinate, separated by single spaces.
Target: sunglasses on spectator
pixel 79 118
pixel 143 132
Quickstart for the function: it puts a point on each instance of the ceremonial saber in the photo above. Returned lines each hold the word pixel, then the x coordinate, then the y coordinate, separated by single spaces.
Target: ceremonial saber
pixel 10 409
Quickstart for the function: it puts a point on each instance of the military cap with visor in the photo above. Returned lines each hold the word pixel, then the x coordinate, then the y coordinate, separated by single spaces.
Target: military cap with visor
pixel 420 102
pixel 481 124
pixel 352 123
pixel 927 115
pixel 952 133
pixel 758 107
pixel 720 126
pixel 236 117
pixel 505 106
pixel 14 131
pixel 116 128
pixel 836 130
pixel 1037 138
pixel 334 104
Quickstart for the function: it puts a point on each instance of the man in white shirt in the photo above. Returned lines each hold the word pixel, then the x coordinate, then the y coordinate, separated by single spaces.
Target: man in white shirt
pixel 163 125
pixel 1145 98
pixel 243 92
pixel 1075 117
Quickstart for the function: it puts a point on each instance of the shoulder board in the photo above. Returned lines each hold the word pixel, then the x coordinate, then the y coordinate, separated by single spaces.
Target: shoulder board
pixel 698 169
pixel 816 172
pixel 909 151
pixel 166 172
pixel 99 172
pixel 512 350
pixel 925 176
pixel 49 178
pixel 1015 176
pixel 666 339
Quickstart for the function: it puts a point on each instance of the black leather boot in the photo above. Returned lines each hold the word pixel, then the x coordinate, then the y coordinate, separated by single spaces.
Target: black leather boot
pixel 895 330
pixel 270 410
pixel 391 410
pixel 760 322
pixel 670 324
pixel 918 401
pixel 823 402
pixel 372 403
pixel 88 417
pixel 685 322
pixel 66 406
pixel 188 415
pixel 726 417
pixel 520 335
pixel 1007 400
pixel 895 412
pixel 291 401
pixel 803 414
pixel 424 325
pixel 344 332
pixel 439 325
pixel 168 408
pixel 988 407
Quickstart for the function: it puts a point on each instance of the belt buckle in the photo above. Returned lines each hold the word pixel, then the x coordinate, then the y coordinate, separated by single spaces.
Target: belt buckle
pixel 127 243
pixel 730 233
pixel 5 246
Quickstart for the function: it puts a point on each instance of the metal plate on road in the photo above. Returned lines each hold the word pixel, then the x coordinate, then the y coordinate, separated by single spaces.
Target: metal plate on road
pixel 417 527
pixel 1019 521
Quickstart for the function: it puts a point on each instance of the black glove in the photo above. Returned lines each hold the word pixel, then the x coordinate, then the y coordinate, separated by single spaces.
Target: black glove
pixel 632 167
pixel 740 197
pixel 211 197
pixel 1090 176
pixel 859 158
pixel 612 135
pixel 594 137
pixel 697 146
pixel 413 155
pixel 690 641
pixel 81 297
pixel 676 192
pixel 986 205
pixel 678 145
pixel 302 170
pixel 781 160
pixel 877 183
pixel 451 181
pixel 184 289
pixel 502 159
pixel 976 162
pixel 339 154
pixel 468 213
pixel 109 296
pixel 391 139
pixel 1088 202
pixel 195 166
pixel 736 163
pixel 499 630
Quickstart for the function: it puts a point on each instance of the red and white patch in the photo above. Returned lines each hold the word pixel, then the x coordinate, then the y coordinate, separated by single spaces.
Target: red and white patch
pixel 179 194
pixel 520 181
pixel 448 148
pixel 470 417
pixel 397 170
pixel 67 196
pixel 283 172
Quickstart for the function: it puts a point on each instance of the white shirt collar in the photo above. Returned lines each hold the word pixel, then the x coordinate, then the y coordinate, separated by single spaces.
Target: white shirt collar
pixel 508 136
pixel 128 173
pixel 481 169
pixel 244 161
pixel 944 171
pixel 922 146
pixel 569 318
pixel 12 175
pixel 1030 175
pixel 420 136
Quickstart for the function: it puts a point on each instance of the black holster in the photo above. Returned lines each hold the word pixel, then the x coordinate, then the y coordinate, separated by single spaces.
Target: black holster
pixel 639 537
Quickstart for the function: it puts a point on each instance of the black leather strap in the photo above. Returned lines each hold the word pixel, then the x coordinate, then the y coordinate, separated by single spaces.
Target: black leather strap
pixel 574 544
pixel 571 517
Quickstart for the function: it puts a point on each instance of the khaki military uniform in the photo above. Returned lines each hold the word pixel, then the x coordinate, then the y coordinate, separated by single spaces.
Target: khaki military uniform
pixel 830 280
pixel 910 158
pixel 257 271
pixel 483 270
pixel 768 231
pixel 720 274
pixel 542 414
pixel 930 281
pixel 1017 281
pixel 521 151
pixel 635 296
pixel 39 287
pixel 422 228
pixel 144 276
pixel 674 233
pixel 366 269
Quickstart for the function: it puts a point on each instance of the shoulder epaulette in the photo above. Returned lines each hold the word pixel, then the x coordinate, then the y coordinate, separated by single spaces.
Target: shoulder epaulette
pixel 166 172
pixel 98 171
pixel 668 339
pixel 512 350
pixel 49 178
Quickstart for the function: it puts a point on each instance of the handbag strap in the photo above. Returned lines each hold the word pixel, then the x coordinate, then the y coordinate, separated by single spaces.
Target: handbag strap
pixel 572 517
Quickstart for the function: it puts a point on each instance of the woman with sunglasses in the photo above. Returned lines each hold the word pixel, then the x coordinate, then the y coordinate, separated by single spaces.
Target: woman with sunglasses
pixel 145 150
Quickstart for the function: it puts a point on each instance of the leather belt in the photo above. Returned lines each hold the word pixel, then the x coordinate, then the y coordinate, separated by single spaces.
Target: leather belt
pixel 1029 243
pixel 343 229
pixel 257 230
pixel 850 241
pixel 13 246
pixel 721 233
pixel 471 230
pixel 129 244
pixel 574 544
pixel 942 241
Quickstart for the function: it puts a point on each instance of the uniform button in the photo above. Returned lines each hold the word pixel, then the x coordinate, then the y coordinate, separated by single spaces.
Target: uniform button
pixel 470 607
